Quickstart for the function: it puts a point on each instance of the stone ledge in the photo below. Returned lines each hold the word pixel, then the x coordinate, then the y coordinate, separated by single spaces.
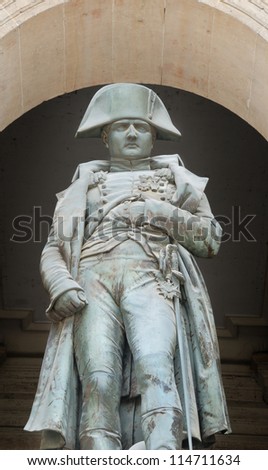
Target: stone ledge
pixel 259 364
pixel 234 324
pixel 26 319
pixel 248 412
pixel 241 337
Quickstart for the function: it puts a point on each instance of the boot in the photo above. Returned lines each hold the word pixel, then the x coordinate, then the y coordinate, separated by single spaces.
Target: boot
pixel 162 429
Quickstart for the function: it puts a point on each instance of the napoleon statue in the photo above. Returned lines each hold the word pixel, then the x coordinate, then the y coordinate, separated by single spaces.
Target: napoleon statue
pixel 132 353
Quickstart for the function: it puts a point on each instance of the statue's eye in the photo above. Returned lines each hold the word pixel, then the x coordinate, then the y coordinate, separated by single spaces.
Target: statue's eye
pixel 121 127
pixel 142 128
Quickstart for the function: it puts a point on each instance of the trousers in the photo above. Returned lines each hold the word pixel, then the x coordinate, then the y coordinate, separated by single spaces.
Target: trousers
pixel 124 304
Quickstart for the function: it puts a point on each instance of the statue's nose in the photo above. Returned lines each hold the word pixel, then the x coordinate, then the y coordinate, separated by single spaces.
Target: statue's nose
pixel 131 131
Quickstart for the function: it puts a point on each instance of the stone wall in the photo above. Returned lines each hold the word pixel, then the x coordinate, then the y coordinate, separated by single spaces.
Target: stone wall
pixel 214 48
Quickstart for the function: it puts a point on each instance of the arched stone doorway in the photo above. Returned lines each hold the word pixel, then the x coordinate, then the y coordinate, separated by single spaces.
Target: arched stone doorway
pixel 214 48
pixel 210 48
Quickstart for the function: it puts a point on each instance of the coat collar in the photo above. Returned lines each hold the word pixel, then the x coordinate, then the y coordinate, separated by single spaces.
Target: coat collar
pixel 190 187
pixel 158 161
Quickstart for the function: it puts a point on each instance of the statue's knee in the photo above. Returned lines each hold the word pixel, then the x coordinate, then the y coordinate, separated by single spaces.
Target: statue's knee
pixel 101 383
pixel 155 370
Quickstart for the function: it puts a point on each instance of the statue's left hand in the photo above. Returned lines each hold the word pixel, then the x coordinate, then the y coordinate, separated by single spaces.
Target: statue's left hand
pixel 68 304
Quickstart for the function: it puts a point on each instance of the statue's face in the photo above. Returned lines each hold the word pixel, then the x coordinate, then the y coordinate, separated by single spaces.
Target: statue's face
pixel 130 138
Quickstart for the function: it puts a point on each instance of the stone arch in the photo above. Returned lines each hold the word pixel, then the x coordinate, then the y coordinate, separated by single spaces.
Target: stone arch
pixel 214 48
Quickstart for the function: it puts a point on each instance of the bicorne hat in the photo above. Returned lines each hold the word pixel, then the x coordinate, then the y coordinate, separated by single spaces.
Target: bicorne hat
pixel 127 101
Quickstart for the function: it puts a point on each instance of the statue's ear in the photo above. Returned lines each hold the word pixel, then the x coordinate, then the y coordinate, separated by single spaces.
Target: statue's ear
pixel 104 136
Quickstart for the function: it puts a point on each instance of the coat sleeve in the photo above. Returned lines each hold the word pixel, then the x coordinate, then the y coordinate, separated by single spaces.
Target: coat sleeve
pixel 199 232
pixel 55 274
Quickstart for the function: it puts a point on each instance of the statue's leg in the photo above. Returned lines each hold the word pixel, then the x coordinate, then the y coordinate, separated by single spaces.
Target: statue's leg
pixel 98 343
pixel 151 331
pixel 161 414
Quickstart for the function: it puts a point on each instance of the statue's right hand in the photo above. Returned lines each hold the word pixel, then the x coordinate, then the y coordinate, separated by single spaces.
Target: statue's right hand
pixel 67 304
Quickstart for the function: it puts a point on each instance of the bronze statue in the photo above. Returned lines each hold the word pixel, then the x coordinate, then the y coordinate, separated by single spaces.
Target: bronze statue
pixel 132 353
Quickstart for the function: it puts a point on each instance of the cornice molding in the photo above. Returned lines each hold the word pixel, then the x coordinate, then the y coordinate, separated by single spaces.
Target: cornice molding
pixel 257 10
pixel 237 325
pixel 13 13
pixel 238 340
pixel 26 318
pixel 253 13
pixel 234 325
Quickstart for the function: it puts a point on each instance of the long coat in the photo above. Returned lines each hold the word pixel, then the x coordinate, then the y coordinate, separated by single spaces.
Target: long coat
pixel 57 403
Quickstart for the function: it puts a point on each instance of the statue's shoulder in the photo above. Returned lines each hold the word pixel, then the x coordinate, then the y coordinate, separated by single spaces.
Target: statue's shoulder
pixel 164 161
pixel 186 181
pixel 81 176
pixel 86 167
pixel 175 163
